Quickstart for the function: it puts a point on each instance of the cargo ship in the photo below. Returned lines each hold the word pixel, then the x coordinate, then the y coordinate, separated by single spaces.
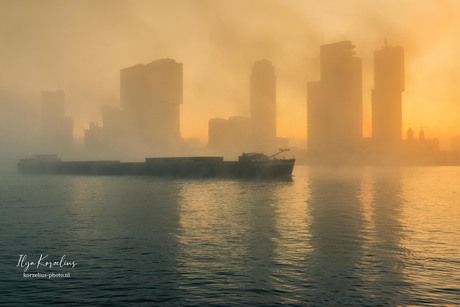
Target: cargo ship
pixel 255 165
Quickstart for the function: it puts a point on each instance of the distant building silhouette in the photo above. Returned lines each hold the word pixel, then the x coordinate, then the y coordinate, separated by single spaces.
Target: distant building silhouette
pixel 151 96
pixel 218 134
pixel 455 143
pixel 410 135
pixel 115 126
pixel 148 121
pixel 387 98
pixel 95 137
pixel 421 135
pixel 334 104
pixel 423 151
pixel 263 104
pixel 111 135
pixel 230 137
pixel 56 128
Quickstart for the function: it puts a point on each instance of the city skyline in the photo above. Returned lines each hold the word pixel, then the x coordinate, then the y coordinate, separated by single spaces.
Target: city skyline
pixel 219 57
pixel 230 152
pixel 149 115
pixel 151 94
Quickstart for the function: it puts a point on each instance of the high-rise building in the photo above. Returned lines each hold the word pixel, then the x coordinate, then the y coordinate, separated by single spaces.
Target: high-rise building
pixel 218 134
pixel 56 128
pixel 387 97
pixel 151 95
pixel 230 137
pixel 114 124
pixel 263 103
pixel 334 104
pixel 95 137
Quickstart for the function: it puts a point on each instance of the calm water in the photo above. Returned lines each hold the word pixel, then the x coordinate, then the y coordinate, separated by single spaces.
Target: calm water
pixel 328 237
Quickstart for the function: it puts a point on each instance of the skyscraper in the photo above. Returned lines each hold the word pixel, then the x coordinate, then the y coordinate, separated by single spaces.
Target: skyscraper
pixel 334 104
pixel 263 103
pixel 151 95
pixel 387 97
pixel 230 137
pixel 56 128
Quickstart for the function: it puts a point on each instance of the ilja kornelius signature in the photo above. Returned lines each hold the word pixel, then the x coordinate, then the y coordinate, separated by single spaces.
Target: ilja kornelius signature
pixel 44 262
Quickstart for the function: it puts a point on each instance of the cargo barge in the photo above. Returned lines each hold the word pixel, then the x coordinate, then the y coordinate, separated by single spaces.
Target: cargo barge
pixel 248 165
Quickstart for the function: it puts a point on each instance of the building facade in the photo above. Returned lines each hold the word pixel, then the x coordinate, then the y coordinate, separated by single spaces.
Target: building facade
pixel 56 127
pixel 263 104
pixel 230 137
pixel 334 103
pixel 387 97
pixel 151 95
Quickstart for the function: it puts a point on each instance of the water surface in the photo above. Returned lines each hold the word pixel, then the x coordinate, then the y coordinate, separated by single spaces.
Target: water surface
pixel 362 236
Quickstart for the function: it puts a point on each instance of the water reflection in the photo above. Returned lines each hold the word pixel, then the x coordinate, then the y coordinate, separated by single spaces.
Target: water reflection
pixel 431 218
pixel 386 252
pixel 361 237
pixel 228 234
pixel 259 240
pixel 337 230
pixel 127 233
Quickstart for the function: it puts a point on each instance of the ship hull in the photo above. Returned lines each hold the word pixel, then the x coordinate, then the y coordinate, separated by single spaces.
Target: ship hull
pixel 177 167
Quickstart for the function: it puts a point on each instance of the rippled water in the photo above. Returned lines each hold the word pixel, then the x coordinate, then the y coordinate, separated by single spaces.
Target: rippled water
pixel 328 237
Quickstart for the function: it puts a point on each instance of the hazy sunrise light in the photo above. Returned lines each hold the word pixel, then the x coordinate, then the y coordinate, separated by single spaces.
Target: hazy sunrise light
pixel 80 46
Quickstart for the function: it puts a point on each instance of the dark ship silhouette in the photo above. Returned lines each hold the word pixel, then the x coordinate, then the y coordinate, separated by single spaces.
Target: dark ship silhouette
pixel 255 165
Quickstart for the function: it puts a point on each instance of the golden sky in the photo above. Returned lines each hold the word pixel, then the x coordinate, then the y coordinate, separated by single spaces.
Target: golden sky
pixel 79 46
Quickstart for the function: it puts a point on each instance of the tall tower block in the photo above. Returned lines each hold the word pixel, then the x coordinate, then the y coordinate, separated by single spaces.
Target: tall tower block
pixel 334 104
pixel 56 128
pixel 387 96
pixel 151 95
pixel 263 103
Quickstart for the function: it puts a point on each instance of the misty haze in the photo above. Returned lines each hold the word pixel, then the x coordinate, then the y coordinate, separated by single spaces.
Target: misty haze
pixel 107 62
pixel 229 152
